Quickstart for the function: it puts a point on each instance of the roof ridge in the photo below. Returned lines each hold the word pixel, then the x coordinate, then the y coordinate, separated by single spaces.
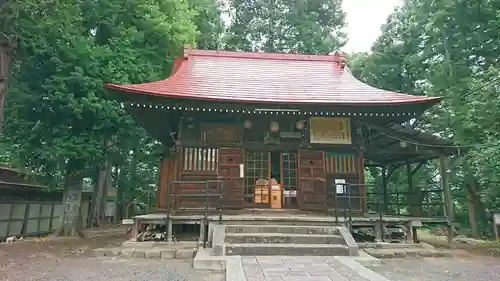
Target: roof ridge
pixel 336 57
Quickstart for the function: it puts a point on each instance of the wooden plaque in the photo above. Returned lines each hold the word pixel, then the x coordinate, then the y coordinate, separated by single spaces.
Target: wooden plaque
pixel 221 133
pixel 325 130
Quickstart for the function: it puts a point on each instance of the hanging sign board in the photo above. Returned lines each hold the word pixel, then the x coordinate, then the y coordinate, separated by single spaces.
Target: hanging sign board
pixel 325 130
pixel 340 186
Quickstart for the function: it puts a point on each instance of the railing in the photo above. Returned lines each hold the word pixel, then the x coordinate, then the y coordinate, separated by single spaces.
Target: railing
pixel 347 196
pixel 206 195
pixel 408 204
pixel 423 203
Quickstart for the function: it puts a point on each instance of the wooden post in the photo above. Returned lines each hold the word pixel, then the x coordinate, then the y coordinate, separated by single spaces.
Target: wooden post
pixel 411 190
pixel 384 190
pixel 443 170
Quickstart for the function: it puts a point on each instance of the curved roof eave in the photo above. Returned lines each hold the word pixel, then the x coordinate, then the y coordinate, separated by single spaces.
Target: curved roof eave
pixel 261 78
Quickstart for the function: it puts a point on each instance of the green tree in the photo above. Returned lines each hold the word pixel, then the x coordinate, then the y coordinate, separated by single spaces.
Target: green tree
pixel 307 27
pixel 57 111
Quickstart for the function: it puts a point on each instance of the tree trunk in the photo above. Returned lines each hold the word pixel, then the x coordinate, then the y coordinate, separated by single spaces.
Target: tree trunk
pixel 105 189
pixel 122 196
pixel 72 198
pixel 5 66
pixel 471 200
pixel 98 206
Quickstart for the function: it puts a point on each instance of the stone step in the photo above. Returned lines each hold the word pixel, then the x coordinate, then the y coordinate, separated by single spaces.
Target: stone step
pixel 280 238
pixel 382 245
pixel 293 229
pixel 274 221
pixel 286 250
pixel 408 252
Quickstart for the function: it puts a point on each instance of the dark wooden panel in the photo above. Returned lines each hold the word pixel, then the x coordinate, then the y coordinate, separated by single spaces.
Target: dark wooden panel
pixel 312 180
pixel 197 188
pixel 230 160
pixel 221 133
pixel 169 171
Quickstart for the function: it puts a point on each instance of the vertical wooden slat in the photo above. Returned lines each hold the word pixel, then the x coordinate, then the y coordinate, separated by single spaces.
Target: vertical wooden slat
pixel 204 159
pixel 193 158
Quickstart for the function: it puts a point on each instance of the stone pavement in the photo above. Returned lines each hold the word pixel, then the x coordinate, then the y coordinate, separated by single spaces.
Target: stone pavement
pixel 278 268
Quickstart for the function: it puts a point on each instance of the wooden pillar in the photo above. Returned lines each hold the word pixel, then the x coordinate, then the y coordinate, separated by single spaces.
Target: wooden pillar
pixel 411 191
pixel 362 181
pixel 385 193
pixel 161 192
pixel 448 200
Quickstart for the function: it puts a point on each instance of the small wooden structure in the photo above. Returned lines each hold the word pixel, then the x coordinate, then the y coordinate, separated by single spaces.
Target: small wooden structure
pixel 233 118
pixel 26 209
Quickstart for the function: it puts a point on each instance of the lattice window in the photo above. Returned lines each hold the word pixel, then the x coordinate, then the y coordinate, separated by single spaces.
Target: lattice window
pixel 256 167
pixel 341 163
pixel 200 159
pixel 289 184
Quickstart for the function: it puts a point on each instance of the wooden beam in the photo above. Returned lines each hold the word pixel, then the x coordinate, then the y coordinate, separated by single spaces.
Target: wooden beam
pixel 417 168
pixel 391 170
pixel 385 178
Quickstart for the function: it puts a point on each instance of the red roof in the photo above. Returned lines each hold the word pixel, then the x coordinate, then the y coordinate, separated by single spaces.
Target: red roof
pixel 267 78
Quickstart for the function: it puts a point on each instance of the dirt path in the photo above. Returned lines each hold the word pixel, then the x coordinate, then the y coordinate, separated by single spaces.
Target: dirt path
pixel 469 268
pixel 63 259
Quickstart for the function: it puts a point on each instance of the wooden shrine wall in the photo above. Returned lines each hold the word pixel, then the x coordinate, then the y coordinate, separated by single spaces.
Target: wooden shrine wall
pixel 169 171
pixel 213 149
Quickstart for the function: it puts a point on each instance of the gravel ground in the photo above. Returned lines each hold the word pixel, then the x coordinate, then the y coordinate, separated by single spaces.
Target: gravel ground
pixel 457 269
pixel 57 259
pixel 103 269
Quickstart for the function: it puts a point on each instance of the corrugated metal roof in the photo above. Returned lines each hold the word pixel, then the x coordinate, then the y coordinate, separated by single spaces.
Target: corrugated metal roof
pixel 267 78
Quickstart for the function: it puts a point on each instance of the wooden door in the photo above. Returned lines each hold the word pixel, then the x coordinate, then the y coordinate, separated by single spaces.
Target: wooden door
pixel 312 180
pixel 229 165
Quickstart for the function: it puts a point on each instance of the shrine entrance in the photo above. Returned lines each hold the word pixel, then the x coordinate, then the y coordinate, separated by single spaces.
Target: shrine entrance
pixel 263 170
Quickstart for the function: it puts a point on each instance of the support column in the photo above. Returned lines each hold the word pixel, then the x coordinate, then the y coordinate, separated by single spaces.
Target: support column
pixel 448 200
pixel 201 240
pixel 385 206
pixel 169 231
pixel 411 191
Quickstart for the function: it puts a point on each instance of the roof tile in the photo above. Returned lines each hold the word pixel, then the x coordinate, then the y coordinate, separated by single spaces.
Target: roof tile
pixel 268 78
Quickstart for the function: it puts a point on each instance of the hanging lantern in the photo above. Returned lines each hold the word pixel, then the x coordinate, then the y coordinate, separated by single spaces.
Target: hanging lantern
pixel 247 124
pixel 300 125
pixel 274 127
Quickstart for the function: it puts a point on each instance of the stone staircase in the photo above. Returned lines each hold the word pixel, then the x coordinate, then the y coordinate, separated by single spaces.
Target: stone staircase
pixel 287 240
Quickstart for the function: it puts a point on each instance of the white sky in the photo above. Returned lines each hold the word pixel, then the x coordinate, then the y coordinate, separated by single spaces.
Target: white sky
pixel 364 19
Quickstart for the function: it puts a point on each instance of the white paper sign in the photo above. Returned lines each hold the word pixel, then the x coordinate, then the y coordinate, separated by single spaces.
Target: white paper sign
pixel 242 170
pixel 340 186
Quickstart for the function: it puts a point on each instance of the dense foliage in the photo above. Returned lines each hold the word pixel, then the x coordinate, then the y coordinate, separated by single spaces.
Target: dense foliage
pixel 448 49
pixel 311 27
